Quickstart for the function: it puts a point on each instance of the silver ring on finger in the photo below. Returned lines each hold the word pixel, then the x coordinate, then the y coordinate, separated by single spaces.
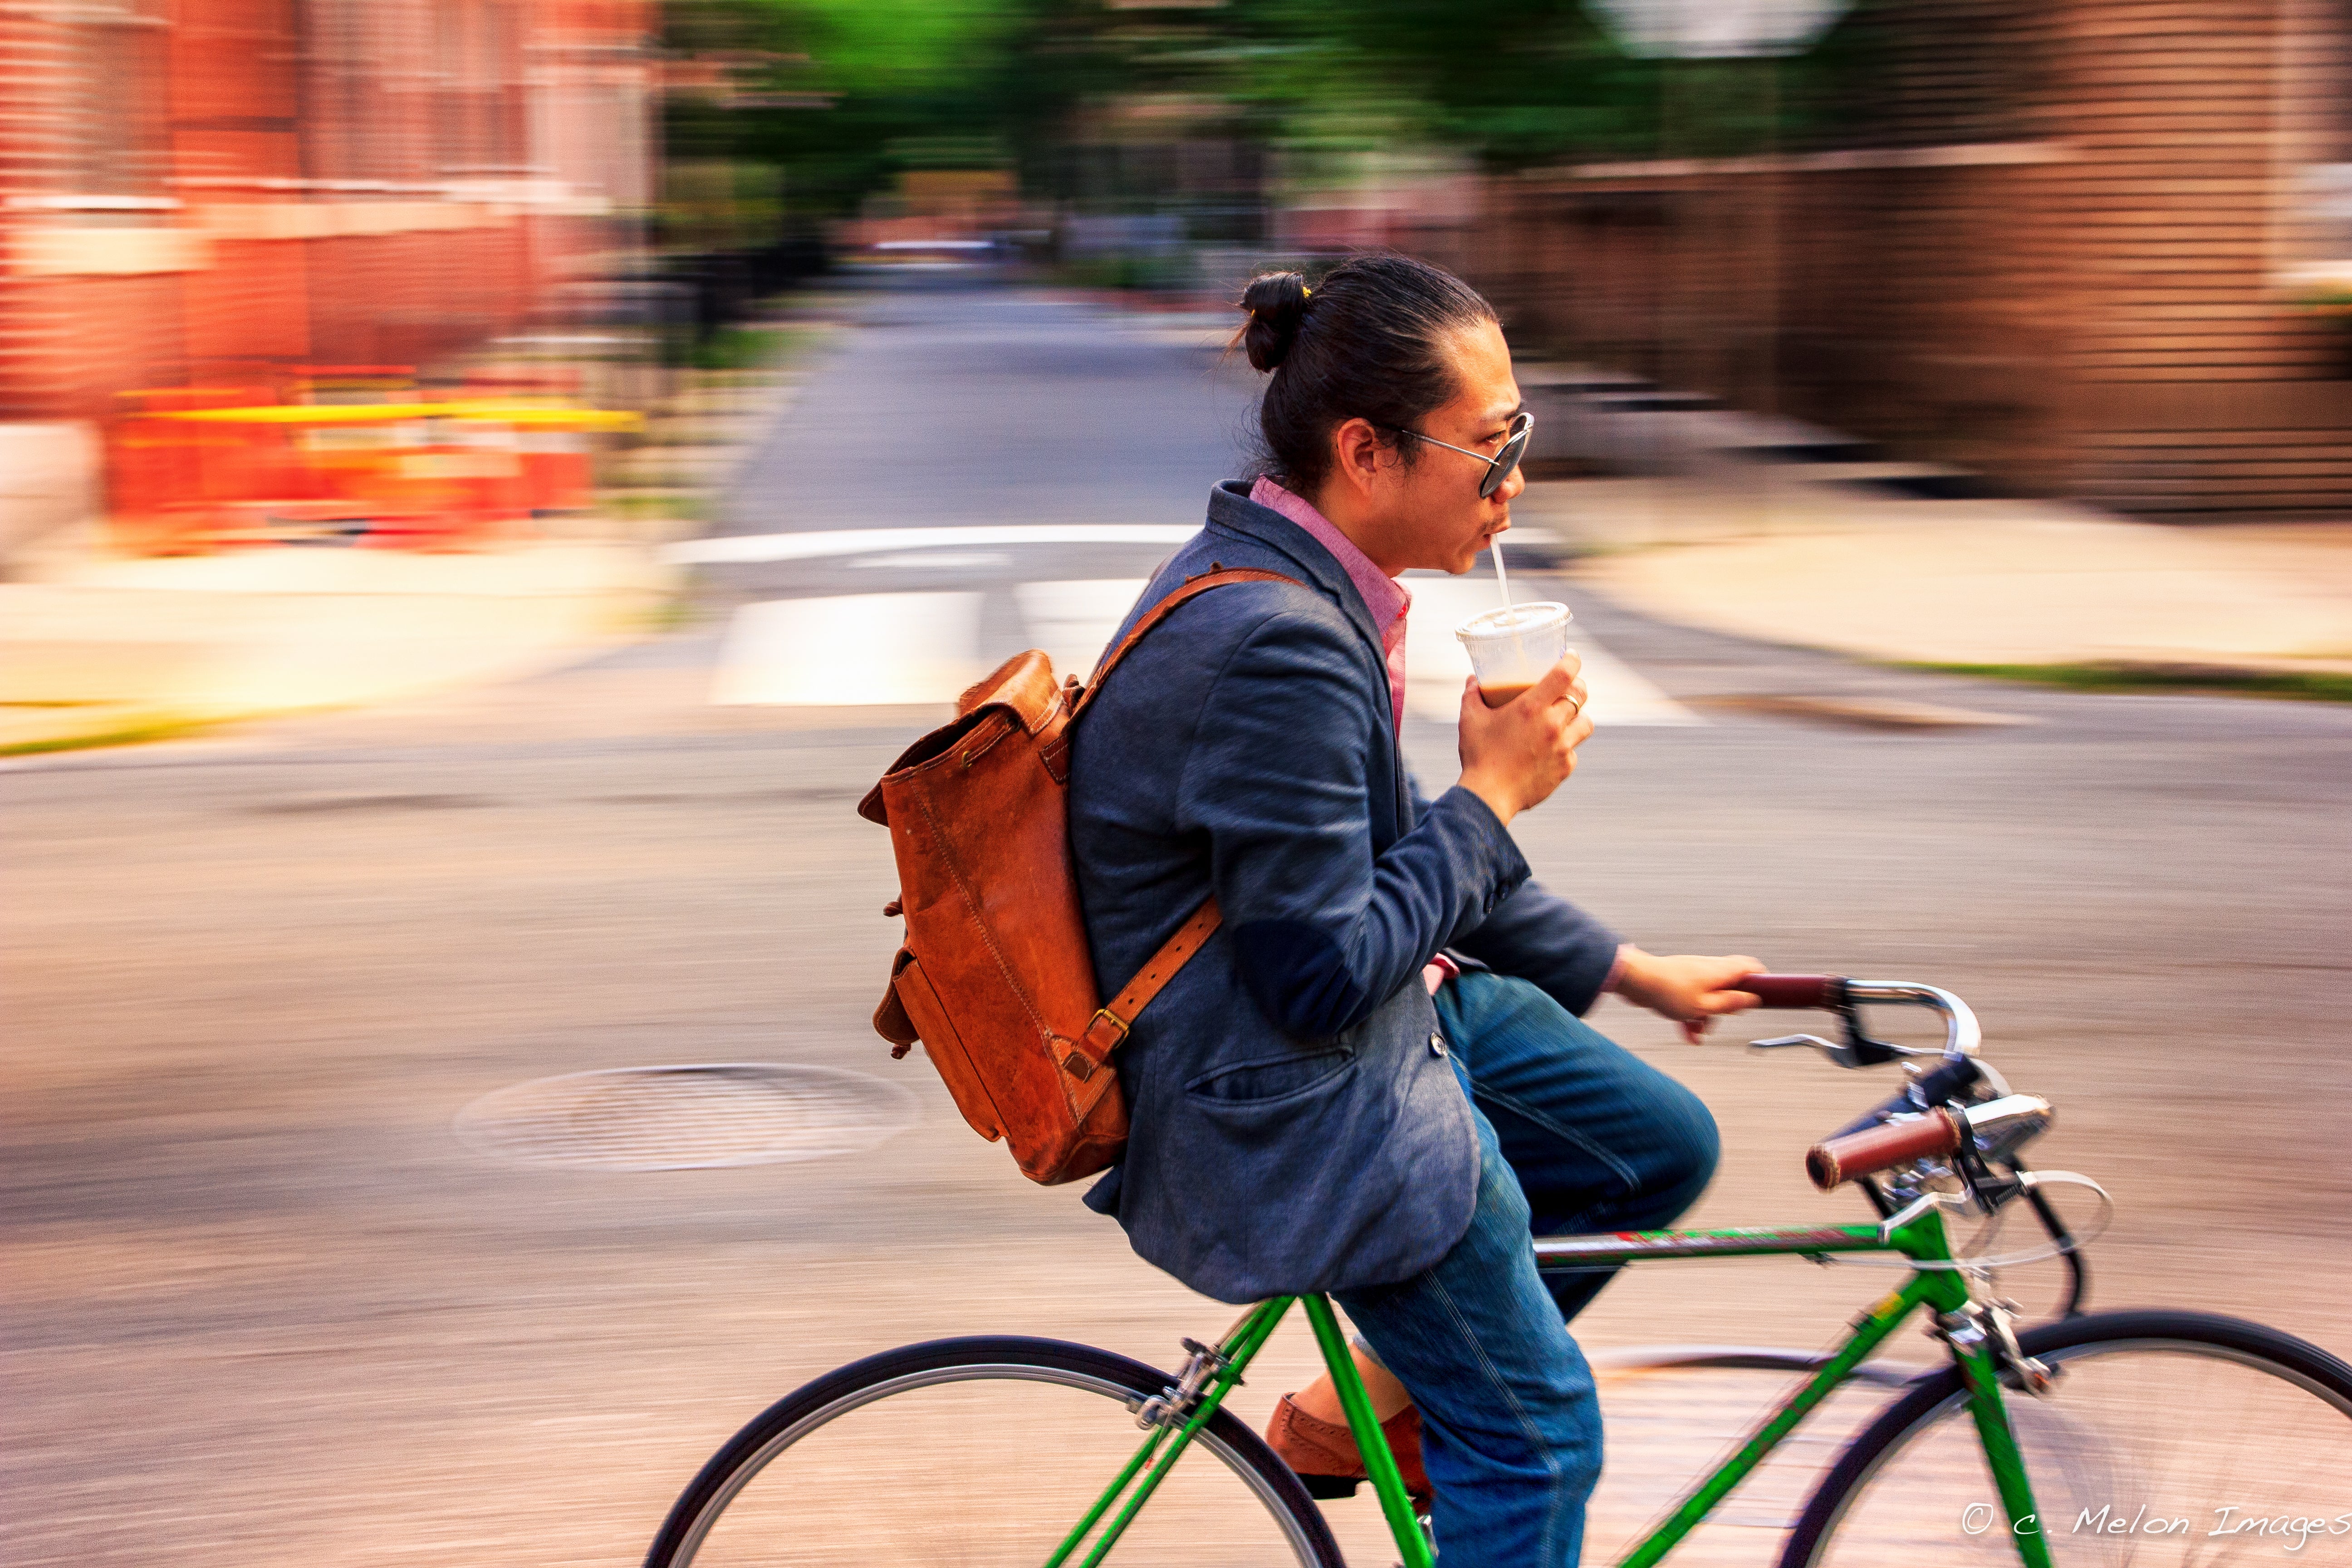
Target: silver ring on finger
pixel 1578 709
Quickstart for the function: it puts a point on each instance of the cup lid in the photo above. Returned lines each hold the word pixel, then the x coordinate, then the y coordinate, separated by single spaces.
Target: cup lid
pixel 1514 620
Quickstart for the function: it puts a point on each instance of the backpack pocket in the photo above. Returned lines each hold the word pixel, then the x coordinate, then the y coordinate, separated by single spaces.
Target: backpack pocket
pixel 890 1019
pixel 946 1048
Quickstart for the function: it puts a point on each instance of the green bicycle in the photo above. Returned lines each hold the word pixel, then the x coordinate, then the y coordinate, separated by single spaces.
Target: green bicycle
pixel 2143 1436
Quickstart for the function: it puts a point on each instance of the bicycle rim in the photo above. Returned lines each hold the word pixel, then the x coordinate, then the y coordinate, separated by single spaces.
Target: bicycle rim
pixel 986 1456
pixel 2170 1439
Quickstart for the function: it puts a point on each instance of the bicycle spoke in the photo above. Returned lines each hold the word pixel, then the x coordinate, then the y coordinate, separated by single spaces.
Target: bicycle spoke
pixel 987 1470
pixel 2149 1455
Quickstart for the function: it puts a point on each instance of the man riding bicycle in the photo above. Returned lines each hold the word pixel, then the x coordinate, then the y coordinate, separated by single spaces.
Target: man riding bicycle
pixel 1373 1081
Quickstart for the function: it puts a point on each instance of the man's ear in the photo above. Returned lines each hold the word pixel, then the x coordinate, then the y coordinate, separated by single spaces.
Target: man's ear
pixel 1356 453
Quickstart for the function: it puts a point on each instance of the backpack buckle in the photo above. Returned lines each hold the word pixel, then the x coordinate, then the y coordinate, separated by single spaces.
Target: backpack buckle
pixel 1106 1031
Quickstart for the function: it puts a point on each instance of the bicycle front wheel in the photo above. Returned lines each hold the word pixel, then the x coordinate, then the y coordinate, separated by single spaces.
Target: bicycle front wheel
pixel 981 1451
pixel 2168 1438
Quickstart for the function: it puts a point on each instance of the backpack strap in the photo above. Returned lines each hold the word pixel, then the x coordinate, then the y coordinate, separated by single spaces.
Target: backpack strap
pixel 1160 611
pixel 1107 1031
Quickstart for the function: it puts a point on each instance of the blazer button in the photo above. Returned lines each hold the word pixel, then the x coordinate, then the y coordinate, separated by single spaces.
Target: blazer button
pixel 1437 1045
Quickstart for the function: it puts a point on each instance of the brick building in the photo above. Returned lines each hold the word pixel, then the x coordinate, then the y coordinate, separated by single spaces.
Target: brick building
pixel 219 192
pixel 2072 244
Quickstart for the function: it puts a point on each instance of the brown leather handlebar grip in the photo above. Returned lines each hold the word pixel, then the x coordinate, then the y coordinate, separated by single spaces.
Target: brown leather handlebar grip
pixel 1877 1148
pixel 1795 989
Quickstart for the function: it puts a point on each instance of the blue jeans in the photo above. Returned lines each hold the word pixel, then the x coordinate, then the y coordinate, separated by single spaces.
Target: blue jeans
pixel 1575 1135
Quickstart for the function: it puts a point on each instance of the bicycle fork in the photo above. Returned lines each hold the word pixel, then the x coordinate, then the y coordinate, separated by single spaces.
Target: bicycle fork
pixel 1179 1412
pixel 1173 1418
pixel 1985 1350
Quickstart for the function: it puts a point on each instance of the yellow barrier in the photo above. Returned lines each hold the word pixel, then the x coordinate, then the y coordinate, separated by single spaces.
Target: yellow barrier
pixel 498 411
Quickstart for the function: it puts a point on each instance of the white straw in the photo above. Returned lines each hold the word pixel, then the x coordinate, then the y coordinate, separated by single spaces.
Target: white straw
pixel 1502 581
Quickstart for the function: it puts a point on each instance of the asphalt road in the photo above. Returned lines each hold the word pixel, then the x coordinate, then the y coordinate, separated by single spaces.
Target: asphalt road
pixel 265 1306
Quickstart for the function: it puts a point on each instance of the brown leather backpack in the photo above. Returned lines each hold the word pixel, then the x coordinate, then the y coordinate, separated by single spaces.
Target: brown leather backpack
pixel 995 979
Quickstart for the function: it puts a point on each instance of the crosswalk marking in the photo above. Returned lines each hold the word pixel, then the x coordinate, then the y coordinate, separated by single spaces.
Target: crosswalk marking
pixel 1073 621
pixel 851 650
pixel 747 548
pixel 871 650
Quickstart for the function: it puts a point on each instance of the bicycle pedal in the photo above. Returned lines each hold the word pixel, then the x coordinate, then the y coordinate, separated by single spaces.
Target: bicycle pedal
pixel 1323 1489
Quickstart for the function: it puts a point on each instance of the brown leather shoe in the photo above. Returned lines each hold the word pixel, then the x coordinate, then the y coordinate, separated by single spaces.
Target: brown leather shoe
pixel 1325 1455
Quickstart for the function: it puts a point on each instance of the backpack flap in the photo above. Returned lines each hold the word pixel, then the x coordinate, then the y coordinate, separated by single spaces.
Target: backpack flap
pixel 1024 684
pixel 1023 688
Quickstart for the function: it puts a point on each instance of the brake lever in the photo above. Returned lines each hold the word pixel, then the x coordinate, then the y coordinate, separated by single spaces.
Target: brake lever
pixel 1858 1051
pixel 1867 1051
pixel 1844 1056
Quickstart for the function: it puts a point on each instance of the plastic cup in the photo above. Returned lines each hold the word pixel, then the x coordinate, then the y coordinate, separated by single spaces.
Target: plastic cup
pixel 1512 647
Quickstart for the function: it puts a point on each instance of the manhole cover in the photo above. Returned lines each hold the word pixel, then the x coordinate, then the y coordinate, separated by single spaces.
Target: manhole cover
pixel 686 1118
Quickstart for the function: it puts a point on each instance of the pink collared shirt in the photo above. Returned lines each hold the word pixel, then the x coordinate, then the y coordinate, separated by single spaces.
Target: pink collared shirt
pixel 1388 599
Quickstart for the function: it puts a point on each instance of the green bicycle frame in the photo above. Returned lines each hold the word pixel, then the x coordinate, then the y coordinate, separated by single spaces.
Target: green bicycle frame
pixel 1940 1289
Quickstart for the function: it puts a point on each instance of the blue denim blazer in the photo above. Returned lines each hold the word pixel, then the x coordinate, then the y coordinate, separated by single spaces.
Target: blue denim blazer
pixel 1295 1123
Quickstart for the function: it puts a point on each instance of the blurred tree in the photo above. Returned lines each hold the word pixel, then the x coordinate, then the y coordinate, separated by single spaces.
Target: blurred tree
pixel 1521 82
pixel 846 94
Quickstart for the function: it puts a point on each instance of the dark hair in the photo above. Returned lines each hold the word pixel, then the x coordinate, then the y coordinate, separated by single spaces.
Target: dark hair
pixel 1368 341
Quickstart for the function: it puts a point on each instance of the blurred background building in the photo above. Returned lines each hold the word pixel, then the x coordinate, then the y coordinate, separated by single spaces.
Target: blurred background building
pixel 219 200
pixel 212 190
pixel 2093 250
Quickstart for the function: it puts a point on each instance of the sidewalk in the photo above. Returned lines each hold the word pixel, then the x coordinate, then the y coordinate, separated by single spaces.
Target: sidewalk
pixel 2036 589
pixel 101 651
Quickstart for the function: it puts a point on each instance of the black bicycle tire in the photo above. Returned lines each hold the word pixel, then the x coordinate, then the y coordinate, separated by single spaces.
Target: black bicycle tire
pixel 711 1482
pixel 1929 1394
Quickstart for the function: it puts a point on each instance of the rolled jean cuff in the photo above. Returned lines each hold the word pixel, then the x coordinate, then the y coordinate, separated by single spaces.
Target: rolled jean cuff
pixel 1364 1348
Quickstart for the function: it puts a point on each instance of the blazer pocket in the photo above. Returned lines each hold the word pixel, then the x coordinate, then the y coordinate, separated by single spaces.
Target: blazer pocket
pixel 1270 1080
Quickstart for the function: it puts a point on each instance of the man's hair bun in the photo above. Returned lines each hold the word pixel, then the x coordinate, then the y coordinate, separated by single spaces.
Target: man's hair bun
pixel 1276 303
pixel 1386 349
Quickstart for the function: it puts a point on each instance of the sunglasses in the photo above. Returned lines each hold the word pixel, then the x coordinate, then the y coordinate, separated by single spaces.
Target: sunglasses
pixel 1500 466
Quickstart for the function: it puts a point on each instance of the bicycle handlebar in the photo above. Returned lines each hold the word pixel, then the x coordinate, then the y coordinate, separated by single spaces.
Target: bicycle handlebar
pixel 1826 991
pixel 1938 1132
pixel 1878 1148
pixel 1833 992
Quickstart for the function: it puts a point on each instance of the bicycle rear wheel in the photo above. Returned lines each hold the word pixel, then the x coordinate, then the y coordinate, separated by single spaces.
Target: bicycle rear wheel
pixel 2159 1421
pixel 981 1451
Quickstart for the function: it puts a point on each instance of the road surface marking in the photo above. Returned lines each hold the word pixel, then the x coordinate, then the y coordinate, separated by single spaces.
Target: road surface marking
pixel 851 650
pixel 1073 621
pixel 743 549
pixel 1436 665
pixel 933 560
pixel 872 649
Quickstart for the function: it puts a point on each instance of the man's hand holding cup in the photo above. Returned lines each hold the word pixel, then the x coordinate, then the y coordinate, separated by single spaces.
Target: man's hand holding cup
pixel 1514 756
